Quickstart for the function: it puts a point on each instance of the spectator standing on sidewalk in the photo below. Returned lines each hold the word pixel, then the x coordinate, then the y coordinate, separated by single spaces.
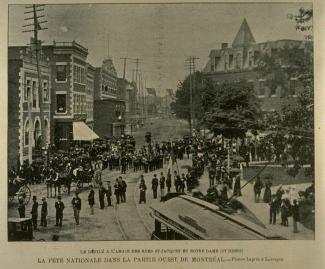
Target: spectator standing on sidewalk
pixel 91 199
pixel 295 216
pixel 143 189
pixel 76 205
pixel 123 190
pixel 34 212
pixel 154 184
pixel 169 181
pixel 267 193
pixel 257 189
pixel 101 194
pixel 59 207
pixel 237 188
pixel 117 191
pixel 273 209
pixel 44 213
pixel 109 193
pixel 162 184
pixel 21 208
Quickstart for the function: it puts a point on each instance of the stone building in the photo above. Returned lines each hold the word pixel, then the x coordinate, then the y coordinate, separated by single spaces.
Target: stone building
pixel 24 117
pixel 239 62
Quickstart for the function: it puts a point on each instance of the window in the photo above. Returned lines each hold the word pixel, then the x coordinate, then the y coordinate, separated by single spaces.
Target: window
pixel 238 61
pixel 35 95
pixel 231 60
pixel 45 91
pixel 216 62
pixel 293 83
pixel 26 133
pixel 61 106
pixel 27 90
pixel 61 73
pixel 261 90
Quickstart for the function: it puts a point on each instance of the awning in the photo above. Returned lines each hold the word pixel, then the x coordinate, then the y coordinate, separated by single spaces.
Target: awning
pixel 82 132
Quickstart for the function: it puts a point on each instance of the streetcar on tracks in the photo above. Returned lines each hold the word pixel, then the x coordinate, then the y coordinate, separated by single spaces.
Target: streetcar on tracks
pixel 188 218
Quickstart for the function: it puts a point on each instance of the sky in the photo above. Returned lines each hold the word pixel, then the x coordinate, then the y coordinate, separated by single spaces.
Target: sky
pixel 161 35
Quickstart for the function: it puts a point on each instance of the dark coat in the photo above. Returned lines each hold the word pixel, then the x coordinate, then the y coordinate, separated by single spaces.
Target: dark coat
pixel 91 197
pixel 34 211
pixel 76 203
pixel 59 206
pixel 44 209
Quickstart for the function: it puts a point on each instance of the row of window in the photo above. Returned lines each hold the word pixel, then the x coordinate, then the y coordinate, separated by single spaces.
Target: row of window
pixel 36 132
pixel 230 62
pixel 31 92
pixel 79 103
pixel 79 74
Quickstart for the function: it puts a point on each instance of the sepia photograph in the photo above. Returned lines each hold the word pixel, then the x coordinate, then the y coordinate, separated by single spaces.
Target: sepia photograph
pixel 160 121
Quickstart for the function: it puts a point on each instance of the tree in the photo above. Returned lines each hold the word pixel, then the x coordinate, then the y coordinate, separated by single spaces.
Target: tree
pixel 235 110
pixel 203 96
pixel 294 126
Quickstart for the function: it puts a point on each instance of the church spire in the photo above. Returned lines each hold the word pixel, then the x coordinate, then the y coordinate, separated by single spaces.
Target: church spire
pixel 244 36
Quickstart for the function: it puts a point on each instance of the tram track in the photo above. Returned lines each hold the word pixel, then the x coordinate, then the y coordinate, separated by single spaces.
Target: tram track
pixel 130 222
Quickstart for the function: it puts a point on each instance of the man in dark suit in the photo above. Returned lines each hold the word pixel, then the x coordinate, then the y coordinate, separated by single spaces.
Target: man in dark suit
pixel 34 212
pixel 59 207
pixel 154 184
pixel 43 213
pixel 76 205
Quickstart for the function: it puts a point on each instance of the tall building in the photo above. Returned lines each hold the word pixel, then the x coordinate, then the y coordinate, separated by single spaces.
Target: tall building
pixel 24 118
pixel 71 76
pixel 128 92
pixel 90 86
pixel 109 102
pixel 239 62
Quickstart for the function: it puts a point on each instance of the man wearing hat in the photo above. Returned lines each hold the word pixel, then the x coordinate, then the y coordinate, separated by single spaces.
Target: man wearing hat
pixel 76 205
pixel 109 193
pixel 34 212
pixel 59 207
pixel 91 199
pixel 43 213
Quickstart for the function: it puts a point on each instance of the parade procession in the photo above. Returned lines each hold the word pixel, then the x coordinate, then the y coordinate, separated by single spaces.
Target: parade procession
pixel 111 138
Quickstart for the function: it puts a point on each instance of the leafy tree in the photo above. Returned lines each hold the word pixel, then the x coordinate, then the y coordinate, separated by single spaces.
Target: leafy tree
pixel 294 126
pixel 235 110
pixel 203 94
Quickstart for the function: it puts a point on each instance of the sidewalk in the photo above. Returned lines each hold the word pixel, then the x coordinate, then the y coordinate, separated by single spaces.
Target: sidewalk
pixel 261 210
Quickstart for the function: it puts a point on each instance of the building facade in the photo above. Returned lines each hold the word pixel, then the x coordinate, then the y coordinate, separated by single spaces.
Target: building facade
pixel 128 92
pixel 240 61
pixel 109 101
pixel 90 85
pixel 109 117
pixel 24 113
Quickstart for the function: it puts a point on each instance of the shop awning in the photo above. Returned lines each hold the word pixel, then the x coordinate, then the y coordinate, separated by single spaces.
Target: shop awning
pixel 82 132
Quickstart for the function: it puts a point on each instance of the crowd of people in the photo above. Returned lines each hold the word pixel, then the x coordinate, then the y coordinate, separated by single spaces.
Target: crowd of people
pixel 86 163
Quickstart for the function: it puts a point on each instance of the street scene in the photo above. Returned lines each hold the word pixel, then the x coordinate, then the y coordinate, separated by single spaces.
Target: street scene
pixel 161 122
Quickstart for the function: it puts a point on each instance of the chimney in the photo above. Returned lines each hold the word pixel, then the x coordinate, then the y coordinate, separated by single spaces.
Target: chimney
pixel 224 45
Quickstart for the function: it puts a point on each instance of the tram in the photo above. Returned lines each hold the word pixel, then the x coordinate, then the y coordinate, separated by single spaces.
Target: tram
pixel 188 218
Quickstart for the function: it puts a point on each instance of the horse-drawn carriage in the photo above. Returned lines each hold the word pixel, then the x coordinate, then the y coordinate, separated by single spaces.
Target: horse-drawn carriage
pixel 17 188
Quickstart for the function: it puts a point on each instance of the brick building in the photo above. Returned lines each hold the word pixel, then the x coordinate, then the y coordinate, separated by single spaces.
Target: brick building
pixel 239 62
pixel 127 91
pixel 109 101
pixel 24 118
pixel 71 94
pixel 109 117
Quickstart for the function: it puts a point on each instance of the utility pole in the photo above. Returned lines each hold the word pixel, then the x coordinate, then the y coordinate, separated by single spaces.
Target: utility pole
pixel 37 46
pixel 190 64
pixel 124 65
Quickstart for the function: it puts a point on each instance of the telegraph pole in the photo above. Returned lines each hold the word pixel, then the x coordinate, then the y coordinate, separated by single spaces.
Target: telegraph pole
pixel 124 65
pixel 37 46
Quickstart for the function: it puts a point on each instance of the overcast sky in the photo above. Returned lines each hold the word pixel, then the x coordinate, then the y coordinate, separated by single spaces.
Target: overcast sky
pixel 162 35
